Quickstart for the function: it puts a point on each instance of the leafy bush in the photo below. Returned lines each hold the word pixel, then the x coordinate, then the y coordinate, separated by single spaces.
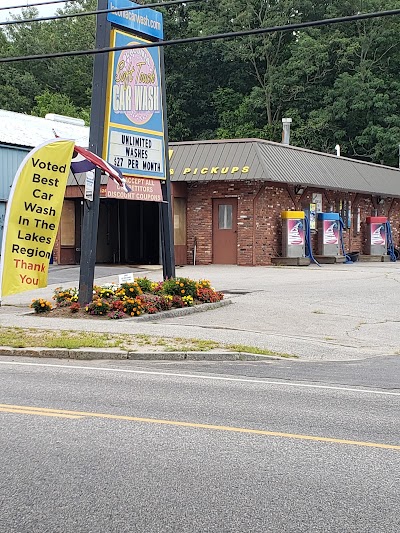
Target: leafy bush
pixel 41 306
pixel 104 292
pixel 157 287
pixel 180 287
pixel 131 290
pixel 208 295
pixel 177 301
pixel 117 305
pixel 65 296
pixel 99 306
pixel 135 298
pixel 133 306
pixel 153 303
pixel 145 284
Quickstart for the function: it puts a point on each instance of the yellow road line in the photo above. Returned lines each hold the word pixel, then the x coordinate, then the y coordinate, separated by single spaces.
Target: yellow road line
pixel 79 414
pixel 37 413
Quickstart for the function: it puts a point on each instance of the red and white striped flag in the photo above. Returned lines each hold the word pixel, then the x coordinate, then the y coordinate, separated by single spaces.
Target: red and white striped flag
pixel 84 160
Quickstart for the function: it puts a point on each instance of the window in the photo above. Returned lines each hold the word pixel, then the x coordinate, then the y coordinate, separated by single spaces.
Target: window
pixel 224 217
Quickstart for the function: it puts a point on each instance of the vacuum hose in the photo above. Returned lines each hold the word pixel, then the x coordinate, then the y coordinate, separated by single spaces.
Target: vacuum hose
pixel 307 233
pixel 341 228
pixel 390 244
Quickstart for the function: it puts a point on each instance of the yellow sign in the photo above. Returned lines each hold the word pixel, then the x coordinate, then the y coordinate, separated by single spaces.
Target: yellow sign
pixel 33 215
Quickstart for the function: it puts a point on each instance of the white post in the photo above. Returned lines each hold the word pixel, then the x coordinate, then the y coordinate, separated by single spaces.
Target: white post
pixel 286 130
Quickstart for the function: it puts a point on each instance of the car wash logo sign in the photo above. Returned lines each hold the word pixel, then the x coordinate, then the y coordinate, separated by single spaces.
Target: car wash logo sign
pixel 135 130
pixel 136 89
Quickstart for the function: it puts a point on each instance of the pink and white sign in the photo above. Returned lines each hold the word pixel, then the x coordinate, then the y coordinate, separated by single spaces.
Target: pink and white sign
pixel 331 232
pixel 295 232
pixel 378 234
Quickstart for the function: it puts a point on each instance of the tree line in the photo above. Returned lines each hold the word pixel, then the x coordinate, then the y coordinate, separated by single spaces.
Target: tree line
pixel 340 84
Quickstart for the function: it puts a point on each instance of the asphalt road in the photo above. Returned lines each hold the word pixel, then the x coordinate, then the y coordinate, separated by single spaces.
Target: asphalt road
pixel 144 447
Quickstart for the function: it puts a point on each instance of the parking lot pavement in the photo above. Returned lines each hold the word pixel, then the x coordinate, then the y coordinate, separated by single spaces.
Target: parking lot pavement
pixel 335 312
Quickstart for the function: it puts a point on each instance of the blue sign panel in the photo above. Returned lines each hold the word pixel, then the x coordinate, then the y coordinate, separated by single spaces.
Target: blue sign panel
pixel 134 121
pixel 146 21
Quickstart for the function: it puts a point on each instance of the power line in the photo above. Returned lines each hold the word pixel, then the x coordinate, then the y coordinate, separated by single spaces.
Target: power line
pixel 24 6
pixel 230 35
pixel 96 12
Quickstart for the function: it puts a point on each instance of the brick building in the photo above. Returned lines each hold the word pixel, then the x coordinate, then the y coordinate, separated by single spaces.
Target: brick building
pixel 228 197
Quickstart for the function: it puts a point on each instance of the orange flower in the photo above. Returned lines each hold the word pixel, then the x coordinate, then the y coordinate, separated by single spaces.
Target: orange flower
pixel 183 291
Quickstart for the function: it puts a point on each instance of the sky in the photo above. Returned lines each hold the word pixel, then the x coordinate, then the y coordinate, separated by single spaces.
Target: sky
pixel 43 10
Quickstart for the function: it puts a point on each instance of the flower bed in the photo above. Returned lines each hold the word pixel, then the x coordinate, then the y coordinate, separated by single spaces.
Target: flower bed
pixel 142 296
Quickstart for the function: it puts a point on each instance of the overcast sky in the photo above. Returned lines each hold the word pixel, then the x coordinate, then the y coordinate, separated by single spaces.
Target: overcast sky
pixel 44 10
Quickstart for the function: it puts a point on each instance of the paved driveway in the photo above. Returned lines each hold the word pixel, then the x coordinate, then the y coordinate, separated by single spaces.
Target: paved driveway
pixel 334 312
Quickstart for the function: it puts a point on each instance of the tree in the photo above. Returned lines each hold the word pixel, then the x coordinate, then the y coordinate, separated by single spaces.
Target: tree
pixel 60 104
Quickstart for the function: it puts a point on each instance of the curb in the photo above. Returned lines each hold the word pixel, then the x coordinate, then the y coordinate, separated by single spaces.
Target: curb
pixel 181 312
pixel 89 354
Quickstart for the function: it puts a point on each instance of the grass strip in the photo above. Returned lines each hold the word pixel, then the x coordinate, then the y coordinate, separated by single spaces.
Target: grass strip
pixel 69 340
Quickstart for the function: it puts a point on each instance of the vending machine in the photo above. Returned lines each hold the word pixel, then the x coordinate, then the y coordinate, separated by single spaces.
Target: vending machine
pixel 293 234
pixel 328 234
pixel 376 236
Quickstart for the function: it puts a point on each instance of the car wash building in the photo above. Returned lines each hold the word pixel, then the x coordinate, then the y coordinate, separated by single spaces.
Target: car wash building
pixel 229 195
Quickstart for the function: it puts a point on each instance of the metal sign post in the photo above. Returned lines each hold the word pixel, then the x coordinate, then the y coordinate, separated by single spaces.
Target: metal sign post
pixel 167 234
pixel 91 209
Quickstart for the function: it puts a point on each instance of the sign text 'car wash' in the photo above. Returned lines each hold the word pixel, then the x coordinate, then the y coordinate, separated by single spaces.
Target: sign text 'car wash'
pixel 135 131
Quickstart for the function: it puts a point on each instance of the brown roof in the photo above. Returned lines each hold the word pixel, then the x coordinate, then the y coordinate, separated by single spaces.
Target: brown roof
pixel 255 159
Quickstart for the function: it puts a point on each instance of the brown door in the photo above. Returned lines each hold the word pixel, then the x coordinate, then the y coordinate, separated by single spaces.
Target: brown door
pixel 225 231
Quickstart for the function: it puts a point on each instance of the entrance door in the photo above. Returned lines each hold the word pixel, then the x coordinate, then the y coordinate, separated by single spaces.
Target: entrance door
pixel 225 231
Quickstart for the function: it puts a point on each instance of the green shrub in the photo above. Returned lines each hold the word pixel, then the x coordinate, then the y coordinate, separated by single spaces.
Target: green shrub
pixel 180 287
pixel 133 306
pixel 145 284
pixel 131 289
pixel 105 292
pixel 41 306
pixel 153 303
pixel 99 306
pixel 65 296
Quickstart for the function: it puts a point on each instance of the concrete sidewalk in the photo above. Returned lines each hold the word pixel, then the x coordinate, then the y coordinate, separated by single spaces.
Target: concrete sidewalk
pixel 334 312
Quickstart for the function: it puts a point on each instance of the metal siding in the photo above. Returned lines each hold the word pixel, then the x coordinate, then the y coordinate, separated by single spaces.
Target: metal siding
pixel 3 206
pixel 10 160
pixel 30 131
pixel 215 154
pixel 284 164
pixel 287 164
